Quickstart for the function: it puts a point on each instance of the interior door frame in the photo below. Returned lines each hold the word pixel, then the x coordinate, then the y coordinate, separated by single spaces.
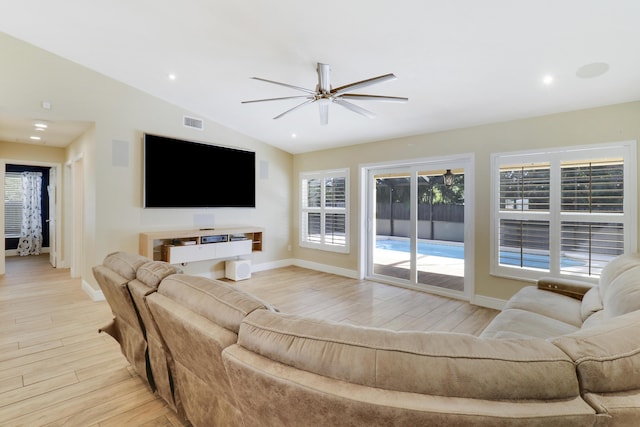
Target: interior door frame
pixel 58 206
pixel 367 222
pixel 75 221
pixel 52 221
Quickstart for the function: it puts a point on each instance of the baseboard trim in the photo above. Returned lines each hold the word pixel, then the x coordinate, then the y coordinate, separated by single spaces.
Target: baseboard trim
pixel 94 294
pixel 352 274
pixel 488 302
pixel 272 265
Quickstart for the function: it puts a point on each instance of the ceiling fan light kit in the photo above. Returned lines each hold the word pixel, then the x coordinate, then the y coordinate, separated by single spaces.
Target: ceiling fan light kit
pixel 324 94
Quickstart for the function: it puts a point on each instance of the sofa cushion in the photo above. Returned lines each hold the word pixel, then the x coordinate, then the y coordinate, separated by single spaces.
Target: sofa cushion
pixel 547 303
pixel 515 322
pixel 215 300
pixel 614 268
pixel 607 355
pixel 124 263
pixel 152 273
pixel 591 303
pixel 623 293
pixel 594 320
pixel 436 363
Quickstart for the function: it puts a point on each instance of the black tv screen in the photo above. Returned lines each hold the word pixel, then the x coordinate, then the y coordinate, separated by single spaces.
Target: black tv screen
pixel 187 174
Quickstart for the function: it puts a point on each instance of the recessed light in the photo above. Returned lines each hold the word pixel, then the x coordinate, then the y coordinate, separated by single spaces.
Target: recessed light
pixel 41 125
pixel 172 76
pixel 293 135
pixel 35 138
pixel 548 79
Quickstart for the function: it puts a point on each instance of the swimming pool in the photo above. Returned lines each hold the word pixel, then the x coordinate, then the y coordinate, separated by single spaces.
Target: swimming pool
pixel 456 250
pixel 442 249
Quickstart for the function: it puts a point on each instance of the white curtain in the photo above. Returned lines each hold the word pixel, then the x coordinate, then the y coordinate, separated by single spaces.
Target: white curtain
pixel 31 232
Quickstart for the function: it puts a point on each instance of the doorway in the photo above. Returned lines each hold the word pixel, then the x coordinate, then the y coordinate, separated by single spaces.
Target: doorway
pixel 51 208
pixel 419 232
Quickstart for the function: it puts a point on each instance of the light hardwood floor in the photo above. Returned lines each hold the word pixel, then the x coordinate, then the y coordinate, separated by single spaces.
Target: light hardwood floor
pixel 57 370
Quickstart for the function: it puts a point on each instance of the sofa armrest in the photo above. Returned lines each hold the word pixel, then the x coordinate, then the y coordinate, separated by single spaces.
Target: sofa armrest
pixel 571 288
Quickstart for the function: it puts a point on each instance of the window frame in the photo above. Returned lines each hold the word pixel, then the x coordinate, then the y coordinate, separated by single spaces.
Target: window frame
pixel 324 210
pixel 555 157
pixel 8 218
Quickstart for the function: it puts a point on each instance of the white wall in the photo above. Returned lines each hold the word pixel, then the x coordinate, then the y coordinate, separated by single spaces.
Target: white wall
pixel 598 125
pixel 113 213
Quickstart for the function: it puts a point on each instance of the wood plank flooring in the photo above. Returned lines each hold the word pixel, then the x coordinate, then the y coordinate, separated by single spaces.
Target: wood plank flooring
pixel 57 370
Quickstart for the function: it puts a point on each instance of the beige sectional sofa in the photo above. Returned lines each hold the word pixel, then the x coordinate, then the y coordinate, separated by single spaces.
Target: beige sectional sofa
pixel 562 353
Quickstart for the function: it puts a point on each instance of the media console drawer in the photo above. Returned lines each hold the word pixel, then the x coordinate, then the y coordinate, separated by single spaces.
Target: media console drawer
pixel 192 253
pixel 233 248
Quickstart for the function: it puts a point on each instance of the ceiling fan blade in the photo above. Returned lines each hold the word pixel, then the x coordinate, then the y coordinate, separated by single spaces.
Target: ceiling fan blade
pixel 356 97
pixel 324 80
pixel 364 83
pixel 354 108
pixel 323 109
pixel 308 101
pixel 276 99
pixel 312 92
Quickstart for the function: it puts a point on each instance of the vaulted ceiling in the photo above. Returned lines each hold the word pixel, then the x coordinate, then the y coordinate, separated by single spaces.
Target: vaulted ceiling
pixel 460 62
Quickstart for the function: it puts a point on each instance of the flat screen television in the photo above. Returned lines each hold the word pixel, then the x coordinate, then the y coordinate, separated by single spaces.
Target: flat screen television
pixel 188 174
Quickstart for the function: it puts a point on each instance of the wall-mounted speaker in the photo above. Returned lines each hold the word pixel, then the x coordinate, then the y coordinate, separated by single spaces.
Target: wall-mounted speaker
pixel 264 169
pixel 120 153
pixel 238 269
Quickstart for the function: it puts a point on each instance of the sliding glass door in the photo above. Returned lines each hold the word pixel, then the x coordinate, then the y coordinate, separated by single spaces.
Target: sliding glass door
pixel 417 235
pixel 440 222
pixel 391 241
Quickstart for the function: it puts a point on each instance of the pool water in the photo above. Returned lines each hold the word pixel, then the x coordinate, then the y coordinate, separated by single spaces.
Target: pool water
pixel 456 251
pixel 424 248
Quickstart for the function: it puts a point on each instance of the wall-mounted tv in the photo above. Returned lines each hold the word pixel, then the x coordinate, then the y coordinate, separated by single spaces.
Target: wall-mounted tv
pixel 188 174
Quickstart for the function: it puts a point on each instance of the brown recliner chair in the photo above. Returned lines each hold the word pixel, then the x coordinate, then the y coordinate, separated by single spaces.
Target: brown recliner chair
pixel 113 275
pixel 198 318
pixel 148 277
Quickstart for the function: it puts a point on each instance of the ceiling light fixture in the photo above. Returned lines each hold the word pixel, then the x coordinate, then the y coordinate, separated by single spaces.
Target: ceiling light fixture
pixel 35 138
pixel 548 79
pixel 41 126
pixel 172 76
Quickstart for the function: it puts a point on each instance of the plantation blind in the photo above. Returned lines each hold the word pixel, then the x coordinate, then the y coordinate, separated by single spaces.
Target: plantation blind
pixel 524 224
pixel 12 204
pixel 590 192
pixel 324 210
pixel 566 211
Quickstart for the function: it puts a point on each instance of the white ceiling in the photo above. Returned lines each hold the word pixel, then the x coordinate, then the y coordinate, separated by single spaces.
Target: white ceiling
pixel 21 129
pixel 460 62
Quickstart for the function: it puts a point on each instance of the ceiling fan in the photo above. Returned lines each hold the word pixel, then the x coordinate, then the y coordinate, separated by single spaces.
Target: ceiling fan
pixel 324 94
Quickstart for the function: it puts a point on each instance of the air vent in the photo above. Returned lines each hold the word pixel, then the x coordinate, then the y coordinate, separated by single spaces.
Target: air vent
pixel 193 123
